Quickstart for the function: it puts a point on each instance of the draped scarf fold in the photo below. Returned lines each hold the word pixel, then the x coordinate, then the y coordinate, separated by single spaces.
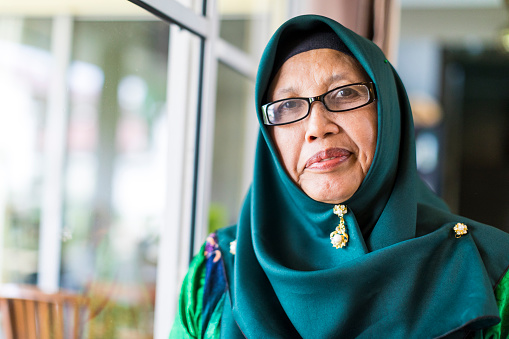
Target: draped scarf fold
pixel 403 271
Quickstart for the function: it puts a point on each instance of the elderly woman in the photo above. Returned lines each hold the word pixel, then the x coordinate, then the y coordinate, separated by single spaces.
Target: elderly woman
pixel 338 237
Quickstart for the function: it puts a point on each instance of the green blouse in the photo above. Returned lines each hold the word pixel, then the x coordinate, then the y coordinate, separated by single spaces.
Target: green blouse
pixel 188 322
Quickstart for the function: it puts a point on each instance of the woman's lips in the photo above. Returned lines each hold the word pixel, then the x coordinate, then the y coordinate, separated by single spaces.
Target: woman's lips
pixel 328 159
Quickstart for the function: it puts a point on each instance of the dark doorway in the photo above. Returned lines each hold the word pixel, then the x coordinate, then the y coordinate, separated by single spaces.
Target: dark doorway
pixel 475 97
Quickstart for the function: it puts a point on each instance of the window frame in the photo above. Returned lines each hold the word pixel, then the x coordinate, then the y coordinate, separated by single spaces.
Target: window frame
pixel 191 143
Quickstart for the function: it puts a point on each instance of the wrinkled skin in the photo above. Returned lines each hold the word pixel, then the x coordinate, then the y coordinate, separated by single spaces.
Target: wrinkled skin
pixel 346 140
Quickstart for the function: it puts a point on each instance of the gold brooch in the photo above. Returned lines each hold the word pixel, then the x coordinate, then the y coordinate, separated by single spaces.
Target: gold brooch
pixel 460 229
pixel 339 237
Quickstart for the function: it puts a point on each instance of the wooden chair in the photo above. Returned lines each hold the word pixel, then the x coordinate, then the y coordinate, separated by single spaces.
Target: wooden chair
pixel 29 313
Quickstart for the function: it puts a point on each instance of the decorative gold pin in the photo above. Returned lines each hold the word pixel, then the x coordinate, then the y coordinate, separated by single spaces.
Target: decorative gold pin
pixel 339 237
pixel 460 229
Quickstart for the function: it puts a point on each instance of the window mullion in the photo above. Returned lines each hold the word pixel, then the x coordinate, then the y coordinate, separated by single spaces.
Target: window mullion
pixel 235 58
pixel 206 131
pixel 54 150
pixel 174 12
pixel 173 259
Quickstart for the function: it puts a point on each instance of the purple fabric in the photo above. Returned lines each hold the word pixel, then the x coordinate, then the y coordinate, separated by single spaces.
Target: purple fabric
pixel 215 279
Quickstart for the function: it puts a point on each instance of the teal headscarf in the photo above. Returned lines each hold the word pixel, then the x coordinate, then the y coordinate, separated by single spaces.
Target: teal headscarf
pixel 403 274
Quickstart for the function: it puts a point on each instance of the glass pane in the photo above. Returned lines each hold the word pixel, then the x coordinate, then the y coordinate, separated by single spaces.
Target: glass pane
pixel 25 61
pixel 195 5
pixel 247 24
pixel 235 131
pixel 115 172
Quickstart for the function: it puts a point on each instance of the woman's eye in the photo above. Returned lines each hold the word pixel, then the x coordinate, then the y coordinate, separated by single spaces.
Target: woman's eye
pixel 346 93
pixel 290 104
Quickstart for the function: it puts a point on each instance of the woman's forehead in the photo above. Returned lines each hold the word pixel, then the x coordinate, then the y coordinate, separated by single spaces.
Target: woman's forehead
pixel 315 68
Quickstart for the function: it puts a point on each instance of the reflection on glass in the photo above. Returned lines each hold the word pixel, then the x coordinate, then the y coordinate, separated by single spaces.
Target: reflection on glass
pixel 195 5
pixel 427 147
pixel 25 61
pixel 232 149
pixel 246 24
pixel 115 172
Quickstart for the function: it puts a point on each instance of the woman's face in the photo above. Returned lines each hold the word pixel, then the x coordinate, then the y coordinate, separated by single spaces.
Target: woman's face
pixel 327 154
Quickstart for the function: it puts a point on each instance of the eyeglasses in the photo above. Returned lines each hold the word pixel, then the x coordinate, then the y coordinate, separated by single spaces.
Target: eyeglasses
pixel 344 98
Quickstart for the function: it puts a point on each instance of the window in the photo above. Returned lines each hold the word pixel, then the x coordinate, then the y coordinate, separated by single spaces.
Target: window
pixel 113 154
pixel 235 129
pixel 83 156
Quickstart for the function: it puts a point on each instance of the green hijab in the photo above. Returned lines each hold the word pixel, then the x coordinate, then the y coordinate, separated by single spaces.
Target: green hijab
pixel 402 274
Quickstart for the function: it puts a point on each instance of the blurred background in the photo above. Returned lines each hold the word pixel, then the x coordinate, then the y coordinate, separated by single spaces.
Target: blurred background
pixel 104 180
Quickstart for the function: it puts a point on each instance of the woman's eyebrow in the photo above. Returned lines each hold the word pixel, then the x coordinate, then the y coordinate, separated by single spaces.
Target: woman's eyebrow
pixel 286 90
pixel 284 93
pixel 336 78
pixel 291 90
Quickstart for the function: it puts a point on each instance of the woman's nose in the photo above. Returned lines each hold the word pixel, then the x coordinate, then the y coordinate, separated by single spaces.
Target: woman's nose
pixel 320 122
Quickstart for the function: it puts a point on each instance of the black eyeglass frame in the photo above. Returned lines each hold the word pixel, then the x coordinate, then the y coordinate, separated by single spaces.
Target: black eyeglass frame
pixel 372 97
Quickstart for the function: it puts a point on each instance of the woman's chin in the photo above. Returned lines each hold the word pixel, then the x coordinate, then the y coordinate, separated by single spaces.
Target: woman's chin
pixel 330 196
pixel 333 187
